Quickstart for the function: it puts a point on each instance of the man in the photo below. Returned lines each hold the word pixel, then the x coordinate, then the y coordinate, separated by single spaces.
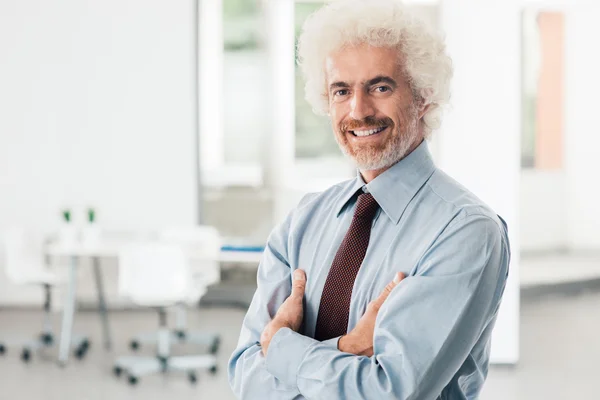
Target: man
pixel 386 286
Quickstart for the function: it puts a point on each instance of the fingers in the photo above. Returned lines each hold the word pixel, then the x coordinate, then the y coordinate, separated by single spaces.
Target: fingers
pixel 378 302
pixel 298 284
pixel 399 276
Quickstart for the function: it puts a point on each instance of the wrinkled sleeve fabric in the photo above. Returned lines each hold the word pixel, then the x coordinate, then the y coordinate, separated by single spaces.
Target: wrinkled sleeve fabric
pixel 424 331
pixel 247 373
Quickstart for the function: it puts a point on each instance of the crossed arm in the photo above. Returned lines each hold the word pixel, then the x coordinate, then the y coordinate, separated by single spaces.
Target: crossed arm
pixel 359 341
pixel 423 328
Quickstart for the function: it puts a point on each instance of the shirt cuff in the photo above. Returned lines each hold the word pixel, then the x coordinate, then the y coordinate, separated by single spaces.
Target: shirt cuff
pixel 285 354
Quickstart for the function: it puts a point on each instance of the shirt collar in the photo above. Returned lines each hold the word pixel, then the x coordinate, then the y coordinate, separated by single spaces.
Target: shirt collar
pixel 396 186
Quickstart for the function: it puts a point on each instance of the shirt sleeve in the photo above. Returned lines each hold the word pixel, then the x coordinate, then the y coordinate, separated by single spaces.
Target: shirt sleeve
pixel 248 376
pixel 424 331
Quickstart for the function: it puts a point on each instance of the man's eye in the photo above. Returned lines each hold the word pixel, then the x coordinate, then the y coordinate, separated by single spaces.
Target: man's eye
pixel 341 92
pixel 382 89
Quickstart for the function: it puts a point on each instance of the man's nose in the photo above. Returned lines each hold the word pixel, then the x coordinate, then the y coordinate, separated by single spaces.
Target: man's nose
pixel 361 106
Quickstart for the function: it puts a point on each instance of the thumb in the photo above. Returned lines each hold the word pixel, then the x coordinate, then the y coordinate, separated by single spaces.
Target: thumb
pixel 378 302
pixel 298 284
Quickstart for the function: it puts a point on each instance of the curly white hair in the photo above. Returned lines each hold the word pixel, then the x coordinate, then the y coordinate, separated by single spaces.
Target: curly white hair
pixel 380 23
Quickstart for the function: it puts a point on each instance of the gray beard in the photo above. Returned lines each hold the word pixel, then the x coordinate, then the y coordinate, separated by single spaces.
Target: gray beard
pixel 368 159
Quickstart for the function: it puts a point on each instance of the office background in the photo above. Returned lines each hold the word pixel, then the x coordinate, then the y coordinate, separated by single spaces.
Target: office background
pixel 159 114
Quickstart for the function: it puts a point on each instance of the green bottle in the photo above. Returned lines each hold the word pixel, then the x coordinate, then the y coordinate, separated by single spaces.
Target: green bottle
pixel 91 215
pixel 67 215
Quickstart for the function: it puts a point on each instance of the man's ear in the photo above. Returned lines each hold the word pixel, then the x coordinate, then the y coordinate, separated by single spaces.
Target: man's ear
pixel 423 110
pixel 423 101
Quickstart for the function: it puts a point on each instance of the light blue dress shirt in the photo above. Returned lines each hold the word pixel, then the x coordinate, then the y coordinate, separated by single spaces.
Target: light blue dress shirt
pixel 432 334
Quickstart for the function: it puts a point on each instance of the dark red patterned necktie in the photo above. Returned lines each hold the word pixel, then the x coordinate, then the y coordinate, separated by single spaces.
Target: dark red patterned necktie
pixel 332 320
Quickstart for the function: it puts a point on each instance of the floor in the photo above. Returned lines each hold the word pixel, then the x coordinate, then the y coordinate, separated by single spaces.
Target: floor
pixel 560 347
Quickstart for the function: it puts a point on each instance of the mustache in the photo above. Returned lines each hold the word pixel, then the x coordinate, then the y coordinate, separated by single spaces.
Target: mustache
pixel 368 122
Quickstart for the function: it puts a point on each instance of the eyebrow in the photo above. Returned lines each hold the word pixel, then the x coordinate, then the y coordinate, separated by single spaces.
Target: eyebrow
pixel 370 82
pixel 338 84
pixel 382 79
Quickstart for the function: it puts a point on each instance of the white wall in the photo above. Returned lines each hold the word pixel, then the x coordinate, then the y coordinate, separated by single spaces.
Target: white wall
pixel 246 115
pixel 543 210
pixel 279 17
pixel 96 107
pixel 480 140
pixel 582 132
pixel 559 209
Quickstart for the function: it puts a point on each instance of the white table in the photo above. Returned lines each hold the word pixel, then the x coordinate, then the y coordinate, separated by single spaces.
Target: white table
pixel 74 251
pixel 241 257
pixel 109 248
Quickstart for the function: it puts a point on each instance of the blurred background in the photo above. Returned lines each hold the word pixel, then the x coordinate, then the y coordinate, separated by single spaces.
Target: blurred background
pixel 138 131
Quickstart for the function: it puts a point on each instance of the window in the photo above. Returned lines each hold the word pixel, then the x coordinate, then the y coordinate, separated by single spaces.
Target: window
pixel 314 135
pixel 542 93
pixel 244 79
pixel 238 111
pixel 241 25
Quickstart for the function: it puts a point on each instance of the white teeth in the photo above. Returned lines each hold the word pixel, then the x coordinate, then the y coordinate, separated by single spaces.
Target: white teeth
pixel 369 132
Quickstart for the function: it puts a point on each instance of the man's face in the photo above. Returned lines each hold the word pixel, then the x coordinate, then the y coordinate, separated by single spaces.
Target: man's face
pixel 373 112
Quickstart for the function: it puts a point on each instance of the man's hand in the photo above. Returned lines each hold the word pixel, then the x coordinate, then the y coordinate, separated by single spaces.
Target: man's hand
pixel 290 313
pixel 359 341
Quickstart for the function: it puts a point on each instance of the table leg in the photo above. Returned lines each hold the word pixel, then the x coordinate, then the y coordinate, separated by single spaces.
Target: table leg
pixel 180 318
pixel 102 303
pixel 68 314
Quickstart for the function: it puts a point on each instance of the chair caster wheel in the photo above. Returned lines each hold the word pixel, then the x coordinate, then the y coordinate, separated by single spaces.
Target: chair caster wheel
pixel 213 370
pixel 47 339
pixel 192 377
pixel 133 380
pixel 117 371
pixel 214 348
pixel 134 345
pixel 2 349
pixel 82 349
pixel 26 355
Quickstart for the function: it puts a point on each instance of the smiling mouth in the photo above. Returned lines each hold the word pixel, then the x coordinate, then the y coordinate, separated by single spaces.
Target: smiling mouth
pixel 367 132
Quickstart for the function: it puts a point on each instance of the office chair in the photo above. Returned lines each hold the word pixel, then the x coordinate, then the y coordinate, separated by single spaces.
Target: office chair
pixel 22 255
pixel 158 276
pixel 202 245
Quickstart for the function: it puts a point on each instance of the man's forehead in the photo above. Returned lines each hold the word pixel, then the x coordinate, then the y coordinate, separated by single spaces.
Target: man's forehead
pixel 361 63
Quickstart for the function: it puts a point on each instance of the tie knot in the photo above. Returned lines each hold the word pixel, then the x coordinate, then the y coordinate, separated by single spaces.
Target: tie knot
pixel 366 206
